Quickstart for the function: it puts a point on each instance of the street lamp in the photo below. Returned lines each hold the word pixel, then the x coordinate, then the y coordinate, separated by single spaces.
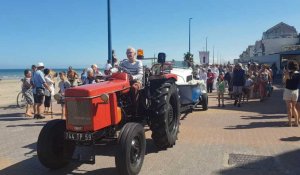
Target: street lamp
pixel 109 33
pixel 190 34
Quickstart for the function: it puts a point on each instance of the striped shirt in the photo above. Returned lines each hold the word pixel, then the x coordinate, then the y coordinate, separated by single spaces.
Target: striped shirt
pixel 135 68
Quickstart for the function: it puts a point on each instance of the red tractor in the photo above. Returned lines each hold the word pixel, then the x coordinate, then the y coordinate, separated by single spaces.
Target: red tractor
pixel 104 111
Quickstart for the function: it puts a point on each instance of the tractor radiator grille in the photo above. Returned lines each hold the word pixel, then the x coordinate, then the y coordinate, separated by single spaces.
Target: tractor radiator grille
pixel 79 112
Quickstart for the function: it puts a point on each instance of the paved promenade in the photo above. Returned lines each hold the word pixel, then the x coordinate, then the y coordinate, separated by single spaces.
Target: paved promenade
pixel 251 140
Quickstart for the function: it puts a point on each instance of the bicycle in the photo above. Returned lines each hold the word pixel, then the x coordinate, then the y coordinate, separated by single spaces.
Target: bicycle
pixel 21 101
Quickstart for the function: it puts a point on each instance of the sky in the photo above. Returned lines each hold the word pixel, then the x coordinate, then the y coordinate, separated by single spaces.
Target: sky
pixel 64 33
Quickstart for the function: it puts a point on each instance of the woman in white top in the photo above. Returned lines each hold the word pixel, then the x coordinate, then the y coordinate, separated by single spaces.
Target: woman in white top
pixel 48 94
pixel 203 75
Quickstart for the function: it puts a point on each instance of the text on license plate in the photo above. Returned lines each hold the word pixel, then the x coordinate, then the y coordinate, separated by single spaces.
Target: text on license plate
pixel 78 136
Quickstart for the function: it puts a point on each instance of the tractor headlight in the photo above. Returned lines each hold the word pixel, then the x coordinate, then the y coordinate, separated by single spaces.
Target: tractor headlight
pixel 104 98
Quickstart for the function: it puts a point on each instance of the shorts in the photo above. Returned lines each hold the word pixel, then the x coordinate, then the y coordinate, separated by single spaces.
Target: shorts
pixel 298 95
pixel 237 89
pixel 290 95
pixel 39 99
pixel 246 90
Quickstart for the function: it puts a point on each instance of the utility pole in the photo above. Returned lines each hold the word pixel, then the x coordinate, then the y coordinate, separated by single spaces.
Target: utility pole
pixel 206 44
pixel 190 35
pixel 109 33
pixel 213 54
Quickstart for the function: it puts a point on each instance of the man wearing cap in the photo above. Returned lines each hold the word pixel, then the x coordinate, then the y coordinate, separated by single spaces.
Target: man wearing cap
pixel 39 85
pixel 238 81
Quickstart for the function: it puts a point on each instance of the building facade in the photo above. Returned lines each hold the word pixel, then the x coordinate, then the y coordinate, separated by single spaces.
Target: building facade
pixel 273 41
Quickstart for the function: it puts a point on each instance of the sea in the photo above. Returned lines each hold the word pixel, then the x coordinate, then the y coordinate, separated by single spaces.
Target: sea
pixel 14 74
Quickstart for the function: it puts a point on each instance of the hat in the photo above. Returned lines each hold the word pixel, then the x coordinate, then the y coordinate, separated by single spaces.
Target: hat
pixel 89 70
pixel 95 65
pixel 40 64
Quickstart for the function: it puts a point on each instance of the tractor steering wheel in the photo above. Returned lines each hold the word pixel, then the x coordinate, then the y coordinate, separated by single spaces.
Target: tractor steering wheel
pixel 123 69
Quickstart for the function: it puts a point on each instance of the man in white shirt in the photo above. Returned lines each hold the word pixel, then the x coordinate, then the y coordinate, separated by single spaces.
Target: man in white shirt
pixel 107 67
pixel 135 67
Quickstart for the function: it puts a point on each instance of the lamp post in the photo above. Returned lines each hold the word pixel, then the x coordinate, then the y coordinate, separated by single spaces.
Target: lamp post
pixel 190 34
pixel 109 33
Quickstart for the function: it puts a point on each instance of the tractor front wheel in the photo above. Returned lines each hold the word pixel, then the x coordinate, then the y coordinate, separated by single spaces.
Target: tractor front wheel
pixel 131 149
pixel 52 149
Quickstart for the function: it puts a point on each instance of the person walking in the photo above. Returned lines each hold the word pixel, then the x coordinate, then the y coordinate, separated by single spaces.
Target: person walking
pixel 202 74
pixel 210 81
pixel 48 94
pixel 27 92
pixel 274 70
pixel 60 96
pixel 291 79
pixel 39 86
pixel 263 79
pixel 228 78
pixel 238 81
pixel 221 89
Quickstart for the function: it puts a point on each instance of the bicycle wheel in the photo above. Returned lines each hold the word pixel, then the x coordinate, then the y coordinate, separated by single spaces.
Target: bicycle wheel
pixel 21 101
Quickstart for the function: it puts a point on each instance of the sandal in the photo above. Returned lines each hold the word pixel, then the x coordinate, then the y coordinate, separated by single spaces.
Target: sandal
pixel 28 115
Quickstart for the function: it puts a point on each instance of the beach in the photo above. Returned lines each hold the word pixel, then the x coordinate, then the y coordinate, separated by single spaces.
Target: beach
pixel 9 90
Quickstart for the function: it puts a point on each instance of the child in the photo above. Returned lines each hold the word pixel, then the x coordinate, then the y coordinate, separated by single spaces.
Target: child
pixel 221 89
pixel 63 85
pixel 247 88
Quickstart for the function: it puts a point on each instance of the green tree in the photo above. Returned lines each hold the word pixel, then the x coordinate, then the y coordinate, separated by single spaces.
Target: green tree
pixel 189 57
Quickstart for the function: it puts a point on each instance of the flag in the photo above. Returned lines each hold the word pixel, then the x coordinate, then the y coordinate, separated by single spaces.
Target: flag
pixel 204 57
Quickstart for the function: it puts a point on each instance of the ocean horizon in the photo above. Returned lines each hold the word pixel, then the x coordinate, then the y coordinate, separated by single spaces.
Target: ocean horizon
pixel 12 74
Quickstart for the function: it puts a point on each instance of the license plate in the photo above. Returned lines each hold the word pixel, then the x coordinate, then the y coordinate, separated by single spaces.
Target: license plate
pixel 78 136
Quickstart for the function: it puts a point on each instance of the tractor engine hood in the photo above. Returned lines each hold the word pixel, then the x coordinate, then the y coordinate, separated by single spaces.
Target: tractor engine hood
pixel 118 82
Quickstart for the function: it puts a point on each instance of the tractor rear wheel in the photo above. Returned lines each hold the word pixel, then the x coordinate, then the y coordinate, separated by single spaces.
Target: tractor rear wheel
pixel 204 102
pixel 131 149
pixel 164 114
pixel 52 149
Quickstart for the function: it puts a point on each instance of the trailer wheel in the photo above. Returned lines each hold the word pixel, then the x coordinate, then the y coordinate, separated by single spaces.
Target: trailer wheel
pixel 204 102
pixel 131 149
pixel 52 149
pixel 164 114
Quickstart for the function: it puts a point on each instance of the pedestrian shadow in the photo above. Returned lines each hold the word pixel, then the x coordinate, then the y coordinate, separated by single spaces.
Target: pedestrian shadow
pixel 26 125
pixel 9 107
pixel 13 117
pixel 263 117
pixel 286 164
pixel 290 139
pixel 253 125
pixel 271 105
pixel 32 166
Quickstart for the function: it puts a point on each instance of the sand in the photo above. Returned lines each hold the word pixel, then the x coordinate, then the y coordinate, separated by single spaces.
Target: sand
pixel 9 90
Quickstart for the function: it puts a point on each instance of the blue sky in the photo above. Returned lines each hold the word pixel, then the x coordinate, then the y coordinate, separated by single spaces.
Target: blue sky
pixel 74 32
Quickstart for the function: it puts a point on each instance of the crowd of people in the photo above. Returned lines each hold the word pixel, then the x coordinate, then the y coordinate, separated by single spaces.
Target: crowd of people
pixel 39 87
pixel 240 81
pixel 39 83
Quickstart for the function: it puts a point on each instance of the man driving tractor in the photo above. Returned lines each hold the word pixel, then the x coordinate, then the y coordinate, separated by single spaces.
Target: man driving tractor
pixel 135 68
